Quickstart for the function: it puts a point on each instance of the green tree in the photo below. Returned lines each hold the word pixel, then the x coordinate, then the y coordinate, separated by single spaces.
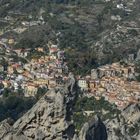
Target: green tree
pixel 40 92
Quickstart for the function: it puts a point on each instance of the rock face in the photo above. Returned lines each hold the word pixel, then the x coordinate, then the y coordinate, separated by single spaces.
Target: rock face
pixel 45 121
pixel 126 126
pixel 49 118
pixel 5 128
pixel 96 131
pixel 93 130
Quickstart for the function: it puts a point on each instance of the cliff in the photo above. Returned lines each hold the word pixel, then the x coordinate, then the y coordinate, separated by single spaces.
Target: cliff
pixel 50 119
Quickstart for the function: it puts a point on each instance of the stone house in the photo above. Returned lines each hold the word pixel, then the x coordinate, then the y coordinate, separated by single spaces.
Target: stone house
pixel 6 83
pixel 103 82
pixel 22 52
pixel 11 41
pixel 30 90
pixel 94 84
pixel 40 49
pixel 53 50
pixel 91 85
pixel 52 83
pixel 53 57
pixel 41 82
pixel 59 70
pixel 18 51
pixel 10 69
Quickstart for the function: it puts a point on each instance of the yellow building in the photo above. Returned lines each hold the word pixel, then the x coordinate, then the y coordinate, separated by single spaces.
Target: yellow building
pixel 125 71
pixel 47 57
pixel 59 70
pixel 41 82
pixel 91 85
pixel 52 83
pixel 100 89
pixel 10 69
pixel 11 41
pixel 30 90
pixel 6 83
pixel 97 97
pixel 103 83
pixel 52 57
pixel 40 49
pixel 20 70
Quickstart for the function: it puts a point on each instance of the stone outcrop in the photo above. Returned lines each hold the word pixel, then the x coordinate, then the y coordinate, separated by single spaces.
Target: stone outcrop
pixel 49 118
pixel 45 121
pixel 5 128
pixel 132 113
pixel 126 126
pixel 92 130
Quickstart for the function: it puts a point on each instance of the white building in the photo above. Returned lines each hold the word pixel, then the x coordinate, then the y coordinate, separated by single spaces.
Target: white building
pixel 82 83
pixel 120 6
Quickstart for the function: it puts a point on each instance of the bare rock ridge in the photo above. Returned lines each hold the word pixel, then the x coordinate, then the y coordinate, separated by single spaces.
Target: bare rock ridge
pixel 121 128
pixel 5 128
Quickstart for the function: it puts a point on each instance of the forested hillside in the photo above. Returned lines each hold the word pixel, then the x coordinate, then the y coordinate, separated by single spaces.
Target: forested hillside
pixel 93 32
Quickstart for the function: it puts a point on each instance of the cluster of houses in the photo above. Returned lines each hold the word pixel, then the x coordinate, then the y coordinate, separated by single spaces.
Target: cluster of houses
pixel 49 71
pixel 113 82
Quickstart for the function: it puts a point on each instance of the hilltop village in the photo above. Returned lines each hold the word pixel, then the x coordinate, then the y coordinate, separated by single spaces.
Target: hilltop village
pixel 115 82
pixel 45 72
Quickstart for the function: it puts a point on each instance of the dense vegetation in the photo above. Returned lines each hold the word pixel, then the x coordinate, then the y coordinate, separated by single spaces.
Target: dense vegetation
pixel 14 106
pixel 99 107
